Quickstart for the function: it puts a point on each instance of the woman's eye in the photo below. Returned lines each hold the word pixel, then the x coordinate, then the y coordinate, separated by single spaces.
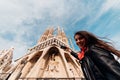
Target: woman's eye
pixel 80 38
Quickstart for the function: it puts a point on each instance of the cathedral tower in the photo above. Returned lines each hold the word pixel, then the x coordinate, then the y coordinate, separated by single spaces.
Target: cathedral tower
pixel 46 60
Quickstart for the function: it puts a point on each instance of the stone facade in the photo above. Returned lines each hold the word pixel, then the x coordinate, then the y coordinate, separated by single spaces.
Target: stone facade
pixel 5 62
pixel 46 60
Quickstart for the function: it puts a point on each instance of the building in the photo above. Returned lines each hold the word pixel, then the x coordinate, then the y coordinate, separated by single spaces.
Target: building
pixel 5 62
pixel 47 61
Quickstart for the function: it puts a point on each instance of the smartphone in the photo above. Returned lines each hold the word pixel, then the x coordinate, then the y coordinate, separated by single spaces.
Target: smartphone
pixel 63 47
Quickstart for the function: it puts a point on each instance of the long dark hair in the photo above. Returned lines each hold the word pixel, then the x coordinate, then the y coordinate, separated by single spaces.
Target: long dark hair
pixel 91 39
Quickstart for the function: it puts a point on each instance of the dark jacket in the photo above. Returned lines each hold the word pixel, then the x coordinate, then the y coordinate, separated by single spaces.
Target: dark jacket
pixel 99 64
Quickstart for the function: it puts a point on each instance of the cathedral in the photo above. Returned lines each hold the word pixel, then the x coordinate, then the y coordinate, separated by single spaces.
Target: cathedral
pixel 44 61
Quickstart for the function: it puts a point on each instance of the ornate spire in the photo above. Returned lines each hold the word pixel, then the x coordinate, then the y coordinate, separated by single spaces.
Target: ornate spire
pixel 5 62
pixel 47 60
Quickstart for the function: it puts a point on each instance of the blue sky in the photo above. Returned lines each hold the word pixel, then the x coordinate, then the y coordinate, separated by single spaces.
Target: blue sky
pixel 22 22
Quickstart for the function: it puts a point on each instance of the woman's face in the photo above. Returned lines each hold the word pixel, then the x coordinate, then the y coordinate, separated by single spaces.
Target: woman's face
pixel 80 41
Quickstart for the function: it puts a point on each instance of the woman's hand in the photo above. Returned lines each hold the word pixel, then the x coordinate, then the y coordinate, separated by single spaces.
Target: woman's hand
pixel 66 48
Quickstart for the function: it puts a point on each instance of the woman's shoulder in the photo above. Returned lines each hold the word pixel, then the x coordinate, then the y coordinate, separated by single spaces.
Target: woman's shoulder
pixel 100 51
pixel 99 48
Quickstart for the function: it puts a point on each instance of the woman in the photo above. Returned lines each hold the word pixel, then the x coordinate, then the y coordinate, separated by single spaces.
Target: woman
pixel 95 57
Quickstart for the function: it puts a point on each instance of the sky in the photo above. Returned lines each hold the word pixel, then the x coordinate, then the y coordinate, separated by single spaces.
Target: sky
pixel 22 22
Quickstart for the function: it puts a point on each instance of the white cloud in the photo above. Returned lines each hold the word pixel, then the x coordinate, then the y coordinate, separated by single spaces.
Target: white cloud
pixel 109 4
pixel 106 6
pixel 20 48
pixel 18 17
pixel 14 13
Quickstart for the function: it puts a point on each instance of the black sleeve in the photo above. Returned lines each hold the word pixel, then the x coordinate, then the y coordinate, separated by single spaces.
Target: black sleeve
pixel 74 54
pixel 106 62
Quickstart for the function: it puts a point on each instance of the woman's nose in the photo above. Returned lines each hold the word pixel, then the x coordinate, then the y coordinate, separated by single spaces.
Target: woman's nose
pixel 78 41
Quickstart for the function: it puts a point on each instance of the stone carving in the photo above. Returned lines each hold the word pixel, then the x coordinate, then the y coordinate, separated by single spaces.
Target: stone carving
pixel 45 60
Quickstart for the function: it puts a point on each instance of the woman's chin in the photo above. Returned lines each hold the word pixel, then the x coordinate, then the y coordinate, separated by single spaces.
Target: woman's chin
pixel 80 46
